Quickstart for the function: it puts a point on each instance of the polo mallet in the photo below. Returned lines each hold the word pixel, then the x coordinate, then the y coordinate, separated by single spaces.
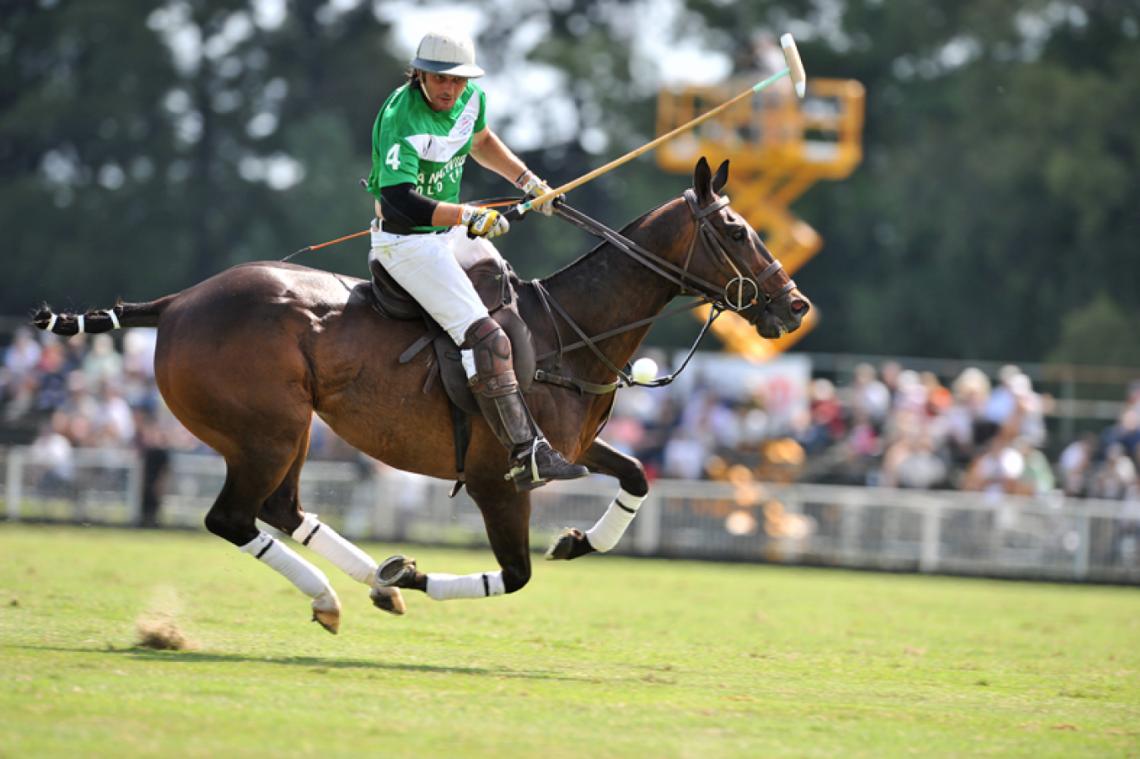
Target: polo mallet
pixel 794 69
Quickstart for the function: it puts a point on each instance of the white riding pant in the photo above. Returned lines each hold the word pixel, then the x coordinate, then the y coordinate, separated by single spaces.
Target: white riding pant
pixel 432 268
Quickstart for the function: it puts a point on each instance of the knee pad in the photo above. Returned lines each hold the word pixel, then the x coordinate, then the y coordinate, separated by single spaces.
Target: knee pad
pixel 494 367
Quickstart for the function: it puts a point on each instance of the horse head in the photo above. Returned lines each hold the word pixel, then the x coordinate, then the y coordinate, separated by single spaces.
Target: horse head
pixel 755 285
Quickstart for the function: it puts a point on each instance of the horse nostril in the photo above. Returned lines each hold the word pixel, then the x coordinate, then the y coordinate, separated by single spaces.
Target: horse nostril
pixel 800 306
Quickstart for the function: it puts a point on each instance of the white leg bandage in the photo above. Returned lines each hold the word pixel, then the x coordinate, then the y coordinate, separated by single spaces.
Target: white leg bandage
pixel 608 531
pixel 328 542
pixel 308 579
pixel 444 587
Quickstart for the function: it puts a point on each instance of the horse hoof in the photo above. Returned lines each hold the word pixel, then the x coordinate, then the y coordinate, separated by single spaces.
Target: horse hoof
pixel 396 571
pixel 390 600
pixel 330 620
pixel 326 611
pixel 570 544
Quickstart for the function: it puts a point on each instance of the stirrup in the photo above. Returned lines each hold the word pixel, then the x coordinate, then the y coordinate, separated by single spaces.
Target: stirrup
pixel 526 466
pixel 525 471
pixel 395 570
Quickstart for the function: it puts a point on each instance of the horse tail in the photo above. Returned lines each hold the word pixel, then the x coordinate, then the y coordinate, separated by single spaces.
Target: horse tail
pixel 95 321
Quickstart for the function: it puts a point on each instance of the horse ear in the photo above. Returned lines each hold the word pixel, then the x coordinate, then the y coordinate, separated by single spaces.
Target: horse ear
pixel 702 179
pixel 720 179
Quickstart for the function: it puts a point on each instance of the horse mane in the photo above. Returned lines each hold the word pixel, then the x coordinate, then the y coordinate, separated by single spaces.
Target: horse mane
pixel 581 260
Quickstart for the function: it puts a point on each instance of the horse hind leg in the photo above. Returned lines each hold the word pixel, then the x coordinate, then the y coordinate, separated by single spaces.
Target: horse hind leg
pixel 232 517
pixel 506 514
pixel 283 510
pixel 603 458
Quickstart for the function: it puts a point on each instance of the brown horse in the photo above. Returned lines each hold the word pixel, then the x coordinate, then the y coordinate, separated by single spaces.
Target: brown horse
pixel 245 358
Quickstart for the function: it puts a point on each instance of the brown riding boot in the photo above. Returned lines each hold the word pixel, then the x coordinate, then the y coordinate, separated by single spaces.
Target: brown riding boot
pixel 533 462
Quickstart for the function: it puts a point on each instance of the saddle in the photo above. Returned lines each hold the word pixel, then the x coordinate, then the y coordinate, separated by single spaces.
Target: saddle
pixel 495 283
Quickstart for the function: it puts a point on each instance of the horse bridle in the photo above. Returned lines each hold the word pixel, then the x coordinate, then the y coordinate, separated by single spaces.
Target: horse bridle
pixel 721 253
pixel 721 298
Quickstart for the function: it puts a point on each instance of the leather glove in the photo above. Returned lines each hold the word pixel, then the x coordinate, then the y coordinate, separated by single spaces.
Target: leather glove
pixel 534 187
pixel 484 222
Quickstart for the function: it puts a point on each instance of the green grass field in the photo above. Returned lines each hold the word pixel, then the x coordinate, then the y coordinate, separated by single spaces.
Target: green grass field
pixel 598 657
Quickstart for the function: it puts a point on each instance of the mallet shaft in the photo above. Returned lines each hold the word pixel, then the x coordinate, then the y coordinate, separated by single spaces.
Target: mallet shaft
pixel 574 184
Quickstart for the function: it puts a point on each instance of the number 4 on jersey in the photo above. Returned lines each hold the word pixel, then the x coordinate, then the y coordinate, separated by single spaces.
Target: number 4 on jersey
pixel 393 157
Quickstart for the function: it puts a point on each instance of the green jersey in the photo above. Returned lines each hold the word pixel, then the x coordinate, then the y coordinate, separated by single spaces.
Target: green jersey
pixel 412 143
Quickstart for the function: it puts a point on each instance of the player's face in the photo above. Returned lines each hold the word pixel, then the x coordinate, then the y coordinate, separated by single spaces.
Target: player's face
pixel 442 90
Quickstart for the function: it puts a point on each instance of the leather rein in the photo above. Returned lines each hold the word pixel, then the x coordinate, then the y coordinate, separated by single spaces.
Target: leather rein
pixel 741 292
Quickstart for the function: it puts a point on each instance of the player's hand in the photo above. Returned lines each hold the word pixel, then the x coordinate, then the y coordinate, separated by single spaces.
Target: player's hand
pixel 534 187
pixel 484 222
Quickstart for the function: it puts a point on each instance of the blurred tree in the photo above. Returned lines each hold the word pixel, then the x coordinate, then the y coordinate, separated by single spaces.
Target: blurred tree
pixel 1000 179
pixel 144 147
pixel 85 147
pixel 1098 333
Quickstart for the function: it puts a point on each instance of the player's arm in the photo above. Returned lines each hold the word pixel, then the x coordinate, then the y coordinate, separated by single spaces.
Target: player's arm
pixel 492 153
pixel 402 205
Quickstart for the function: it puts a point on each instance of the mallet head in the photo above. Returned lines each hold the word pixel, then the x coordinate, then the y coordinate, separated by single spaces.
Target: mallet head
pixel 795 64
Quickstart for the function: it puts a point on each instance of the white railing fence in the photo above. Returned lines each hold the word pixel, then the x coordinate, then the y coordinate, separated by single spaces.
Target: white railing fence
pixel 874 528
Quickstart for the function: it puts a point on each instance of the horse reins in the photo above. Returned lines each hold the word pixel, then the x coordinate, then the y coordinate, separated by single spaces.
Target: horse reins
pixel 689 283
pixel 721 298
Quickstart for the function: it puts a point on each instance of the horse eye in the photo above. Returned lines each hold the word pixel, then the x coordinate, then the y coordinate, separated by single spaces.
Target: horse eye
pixel 739 234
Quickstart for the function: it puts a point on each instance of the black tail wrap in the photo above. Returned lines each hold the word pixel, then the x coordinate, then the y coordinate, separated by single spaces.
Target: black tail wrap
pixel 98 320
pixel 94 321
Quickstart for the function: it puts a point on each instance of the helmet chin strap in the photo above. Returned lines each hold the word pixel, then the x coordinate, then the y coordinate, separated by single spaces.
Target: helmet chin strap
pixel 432 103
pixel 420 76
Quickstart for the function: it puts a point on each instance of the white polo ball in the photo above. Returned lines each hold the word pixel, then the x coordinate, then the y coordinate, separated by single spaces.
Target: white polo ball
pixel 644 370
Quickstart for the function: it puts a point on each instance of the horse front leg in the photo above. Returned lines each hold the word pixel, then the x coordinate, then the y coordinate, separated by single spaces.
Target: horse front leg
pixel 603 458
pixel 506 516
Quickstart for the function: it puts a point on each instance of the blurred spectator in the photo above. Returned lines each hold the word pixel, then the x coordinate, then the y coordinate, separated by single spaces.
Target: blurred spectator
pixel 23 355
pixel 153 445
pixel 824 423
pixel 1037 478
pixel 1076 464
pixel 911 461
pixel 23 396
pixel 891 426
pixel 1116 477
pixel 52 451
pixel 1030 409
pixel 81 408
pixel 867 396
pixel 113 422
pixel 889 372
pixel 999 468
pixel 1001 403
pixel 970 392
pixel 102 363
pixel 1126 431
pixel 685 456
pixel 52 369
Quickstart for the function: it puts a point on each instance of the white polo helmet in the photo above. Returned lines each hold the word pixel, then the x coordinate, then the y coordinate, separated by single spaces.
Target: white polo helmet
pixel 447 51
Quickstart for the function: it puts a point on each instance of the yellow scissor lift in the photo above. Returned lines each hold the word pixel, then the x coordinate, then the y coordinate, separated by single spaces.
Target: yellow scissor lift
pixel 778 147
